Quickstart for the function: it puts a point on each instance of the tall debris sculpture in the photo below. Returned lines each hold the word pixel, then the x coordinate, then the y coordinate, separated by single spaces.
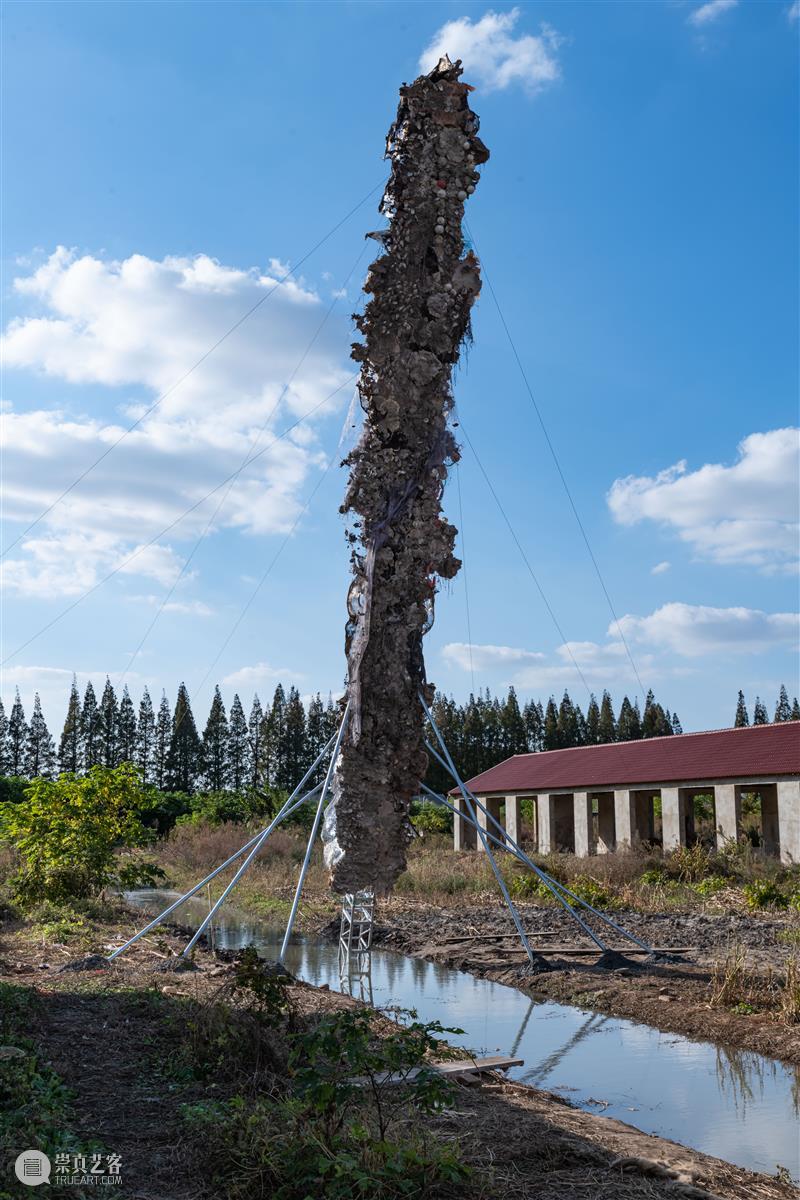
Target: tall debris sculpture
pixel 422 288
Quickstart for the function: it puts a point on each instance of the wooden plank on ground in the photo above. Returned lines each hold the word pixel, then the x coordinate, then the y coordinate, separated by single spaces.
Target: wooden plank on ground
pixel 461 1066
pixel 582 951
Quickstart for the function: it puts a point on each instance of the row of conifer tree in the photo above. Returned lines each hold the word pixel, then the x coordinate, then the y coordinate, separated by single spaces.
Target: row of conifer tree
pixel 273 748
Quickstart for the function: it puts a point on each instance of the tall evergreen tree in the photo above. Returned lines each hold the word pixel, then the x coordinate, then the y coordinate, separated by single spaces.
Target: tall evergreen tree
pixel 91 742
pixel 512 726
pixel 568 723
pixel 533 714
pixel 676 724
pixel 183 760
pixel 592 721
pixel 741 718
pixel 69 747
pixel 550 738
pixel 238 750
pixel 607 725
pixel 4 750
pixel 760 715
pixel 161 745
pixel 315 729
pixel 146 738
pixel 255 744
pixel 17 738
pixel 293 755
pixel 783 709
pixel 795 710
pixel 629 724
pixel 40 752
pixel 126 729
pixel 274 739
pixel 214 749
pixel 109 721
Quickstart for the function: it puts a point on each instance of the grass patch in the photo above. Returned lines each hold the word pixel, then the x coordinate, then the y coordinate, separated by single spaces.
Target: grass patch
pixel 35 1105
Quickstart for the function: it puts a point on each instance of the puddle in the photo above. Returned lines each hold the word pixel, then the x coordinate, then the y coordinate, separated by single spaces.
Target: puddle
pixel 733 1104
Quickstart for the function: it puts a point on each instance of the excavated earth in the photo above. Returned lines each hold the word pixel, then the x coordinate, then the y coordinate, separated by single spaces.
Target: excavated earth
pixel 670 995
pixel 107 1035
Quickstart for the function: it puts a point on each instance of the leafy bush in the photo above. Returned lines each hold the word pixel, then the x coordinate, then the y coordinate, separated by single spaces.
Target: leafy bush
pixel 342 1130
pixel 591 891
pixel 219 808
pixel 711 885
pixel 764 893
pixel 654 876
pixel 67 833
pixel 12 789
pixel 431 818
pixel 689 864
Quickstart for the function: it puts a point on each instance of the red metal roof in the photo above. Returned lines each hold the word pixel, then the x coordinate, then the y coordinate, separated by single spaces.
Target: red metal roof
pixel 758 750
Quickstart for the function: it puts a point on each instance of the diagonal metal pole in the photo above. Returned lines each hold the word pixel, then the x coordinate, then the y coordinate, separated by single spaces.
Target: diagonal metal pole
pixel 512 848
pixel 288 804
pixel 197 887
pixel 508 843
pixel 501 883
pixel 312 836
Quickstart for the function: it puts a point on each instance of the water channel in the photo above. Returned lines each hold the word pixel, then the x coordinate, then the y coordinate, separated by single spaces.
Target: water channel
pixel 734 1104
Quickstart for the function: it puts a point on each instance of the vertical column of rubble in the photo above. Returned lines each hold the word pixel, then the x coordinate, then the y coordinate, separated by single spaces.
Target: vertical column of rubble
pixel 422 289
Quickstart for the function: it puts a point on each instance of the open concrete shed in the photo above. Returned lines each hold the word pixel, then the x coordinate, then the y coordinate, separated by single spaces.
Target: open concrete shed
pixel 598 799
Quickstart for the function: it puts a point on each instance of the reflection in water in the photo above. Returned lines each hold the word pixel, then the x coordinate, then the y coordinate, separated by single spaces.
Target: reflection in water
pixel 746 1077
pixel 737 1106
pixel 539 1074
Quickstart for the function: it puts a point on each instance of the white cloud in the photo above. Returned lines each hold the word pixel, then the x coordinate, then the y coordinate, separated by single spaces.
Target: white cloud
pixel 487 658
pixel 260 673
pixel 138 326
pixel 746 513
pixel 660 568
pixel 712 11
pixel 692 630
pixel 682 631
pixel 793 11
pixel 493 55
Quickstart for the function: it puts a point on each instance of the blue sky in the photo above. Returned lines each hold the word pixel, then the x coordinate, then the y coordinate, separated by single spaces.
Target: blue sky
pixel 165 163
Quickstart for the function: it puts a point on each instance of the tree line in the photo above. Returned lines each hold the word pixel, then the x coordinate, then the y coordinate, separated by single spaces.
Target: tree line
pixel 272 748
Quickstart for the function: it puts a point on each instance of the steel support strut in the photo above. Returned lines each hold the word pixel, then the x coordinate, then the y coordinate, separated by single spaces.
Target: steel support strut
pixel 505 842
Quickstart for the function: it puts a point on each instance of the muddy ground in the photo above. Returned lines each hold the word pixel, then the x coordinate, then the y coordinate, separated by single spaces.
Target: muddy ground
pixel 105 1037
pixel 673 996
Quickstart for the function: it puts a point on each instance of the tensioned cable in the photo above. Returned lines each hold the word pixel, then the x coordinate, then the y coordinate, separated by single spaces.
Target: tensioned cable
pixel 525 558
pixel 337 296
pixel 191 370
pixel 248 603
pixel 555 458
pixel 146 546
pixel 463 549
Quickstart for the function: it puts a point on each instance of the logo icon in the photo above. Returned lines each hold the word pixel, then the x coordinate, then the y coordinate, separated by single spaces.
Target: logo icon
pixel 32 1167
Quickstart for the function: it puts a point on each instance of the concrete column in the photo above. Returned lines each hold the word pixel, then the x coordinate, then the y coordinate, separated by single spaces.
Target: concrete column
pixel 789 819
pixel 514 817
pixel 545 808
pixel 492 803
pixel 584 833
pixel 464 835
pixel 727 813
pixel 673 816
pixel 625 819
pixel 770 832
pixel 606 839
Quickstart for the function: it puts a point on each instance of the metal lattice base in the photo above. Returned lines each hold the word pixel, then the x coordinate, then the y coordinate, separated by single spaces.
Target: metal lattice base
pixel 355 943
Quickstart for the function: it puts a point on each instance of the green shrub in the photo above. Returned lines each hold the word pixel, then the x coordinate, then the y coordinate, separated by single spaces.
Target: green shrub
pixel 67 832
pixel 764 893
pixel 431 818
pixel 689 864
pixel 654 876
pixel 342 1129
pixel 217 808
pixel 591 891
pixel 711 885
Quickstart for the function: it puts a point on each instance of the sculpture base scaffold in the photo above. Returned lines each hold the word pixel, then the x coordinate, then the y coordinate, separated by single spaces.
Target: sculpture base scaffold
pixel 355 934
